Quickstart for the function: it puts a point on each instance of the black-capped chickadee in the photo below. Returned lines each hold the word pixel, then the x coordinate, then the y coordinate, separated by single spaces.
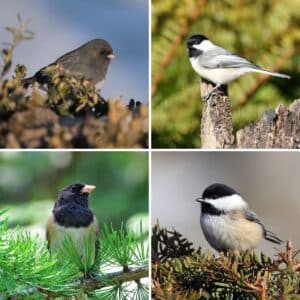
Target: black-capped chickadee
pixel 227 223
pixel 218 65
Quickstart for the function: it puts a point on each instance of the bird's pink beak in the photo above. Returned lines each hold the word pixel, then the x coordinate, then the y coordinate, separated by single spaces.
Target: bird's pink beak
pixel 88 188
pixel 111 56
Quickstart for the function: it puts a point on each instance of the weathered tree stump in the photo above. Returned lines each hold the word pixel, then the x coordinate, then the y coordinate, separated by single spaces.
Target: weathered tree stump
pixel 216 125
pixel 279 128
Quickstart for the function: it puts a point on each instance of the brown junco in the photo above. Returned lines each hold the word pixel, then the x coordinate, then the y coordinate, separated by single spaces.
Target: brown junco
pixel 90 61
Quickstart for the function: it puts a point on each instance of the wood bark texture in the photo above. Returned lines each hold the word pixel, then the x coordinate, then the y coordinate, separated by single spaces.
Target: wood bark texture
pixel 216 124
pixel 279 128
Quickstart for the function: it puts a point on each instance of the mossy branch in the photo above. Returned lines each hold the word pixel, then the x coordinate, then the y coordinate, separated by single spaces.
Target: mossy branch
pixel 72 114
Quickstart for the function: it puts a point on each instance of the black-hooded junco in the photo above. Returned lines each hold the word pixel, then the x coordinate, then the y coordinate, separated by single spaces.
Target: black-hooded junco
pixel 90 61
pixel 72 217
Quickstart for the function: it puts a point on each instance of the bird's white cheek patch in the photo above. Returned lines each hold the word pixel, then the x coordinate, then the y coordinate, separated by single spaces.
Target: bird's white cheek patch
pixel 204 45
pixel 233 202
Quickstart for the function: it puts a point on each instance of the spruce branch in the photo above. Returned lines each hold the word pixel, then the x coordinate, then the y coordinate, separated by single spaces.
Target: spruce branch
pixel 233 275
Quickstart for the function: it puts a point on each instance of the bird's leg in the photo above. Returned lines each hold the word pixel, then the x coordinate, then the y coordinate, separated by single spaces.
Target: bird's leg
pixel 206 97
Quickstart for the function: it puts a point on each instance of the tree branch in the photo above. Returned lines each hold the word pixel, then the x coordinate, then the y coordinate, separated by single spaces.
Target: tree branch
pixel 90 284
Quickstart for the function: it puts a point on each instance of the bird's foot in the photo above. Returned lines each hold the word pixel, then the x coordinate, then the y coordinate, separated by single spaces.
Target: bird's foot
pixel 91 275
pixel 213 92
pixel 206 97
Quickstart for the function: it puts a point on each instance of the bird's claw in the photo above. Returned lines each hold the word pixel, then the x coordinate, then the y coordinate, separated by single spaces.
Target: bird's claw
pixel 208 95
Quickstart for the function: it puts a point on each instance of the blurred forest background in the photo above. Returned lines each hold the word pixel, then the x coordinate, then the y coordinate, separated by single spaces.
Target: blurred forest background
pixel 265 32
pixel 30 182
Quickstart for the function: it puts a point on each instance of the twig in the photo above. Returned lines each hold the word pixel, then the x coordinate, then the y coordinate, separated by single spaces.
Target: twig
pixel 90 284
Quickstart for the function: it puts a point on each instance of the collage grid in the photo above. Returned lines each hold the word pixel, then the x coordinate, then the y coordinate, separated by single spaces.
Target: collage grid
pixel 150 153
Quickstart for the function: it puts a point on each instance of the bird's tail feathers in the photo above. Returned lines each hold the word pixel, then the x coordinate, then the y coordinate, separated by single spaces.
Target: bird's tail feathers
pixel 270 236
pixel 258 70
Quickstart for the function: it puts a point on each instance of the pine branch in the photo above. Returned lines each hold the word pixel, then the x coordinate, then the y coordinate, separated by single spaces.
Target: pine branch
pixel 26 268
pixel 92 284
pixel 133 274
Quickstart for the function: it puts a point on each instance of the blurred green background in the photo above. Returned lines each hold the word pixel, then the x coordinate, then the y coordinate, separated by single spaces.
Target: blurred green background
pixel 30 181
pixel 265 32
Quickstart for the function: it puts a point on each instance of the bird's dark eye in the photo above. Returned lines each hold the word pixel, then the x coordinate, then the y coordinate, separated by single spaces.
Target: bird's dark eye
pixel 103 52
pixel 74 189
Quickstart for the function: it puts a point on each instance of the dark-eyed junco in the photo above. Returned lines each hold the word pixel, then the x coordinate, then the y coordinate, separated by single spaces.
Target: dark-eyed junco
pixel 72 217
pixel 90 61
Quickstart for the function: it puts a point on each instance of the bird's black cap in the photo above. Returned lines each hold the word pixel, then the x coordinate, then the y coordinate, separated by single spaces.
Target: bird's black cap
pixel 71 207
pixel 218 190
pixel 195 40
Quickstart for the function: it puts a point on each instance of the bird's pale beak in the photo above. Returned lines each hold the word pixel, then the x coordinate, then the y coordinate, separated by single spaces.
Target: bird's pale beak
pixel 111 56
pixel 200 200
pixel 88 188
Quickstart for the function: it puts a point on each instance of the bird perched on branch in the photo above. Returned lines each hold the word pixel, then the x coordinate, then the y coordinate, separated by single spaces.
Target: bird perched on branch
pixel 218 65
pixel 71 217
pixel 227 222
pixel 90 61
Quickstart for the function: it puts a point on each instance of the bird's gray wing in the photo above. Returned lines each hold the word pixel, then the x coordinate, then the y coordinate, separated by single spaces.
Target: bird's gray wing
pixel 221 58
pixel 268 235
pixel 251 216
